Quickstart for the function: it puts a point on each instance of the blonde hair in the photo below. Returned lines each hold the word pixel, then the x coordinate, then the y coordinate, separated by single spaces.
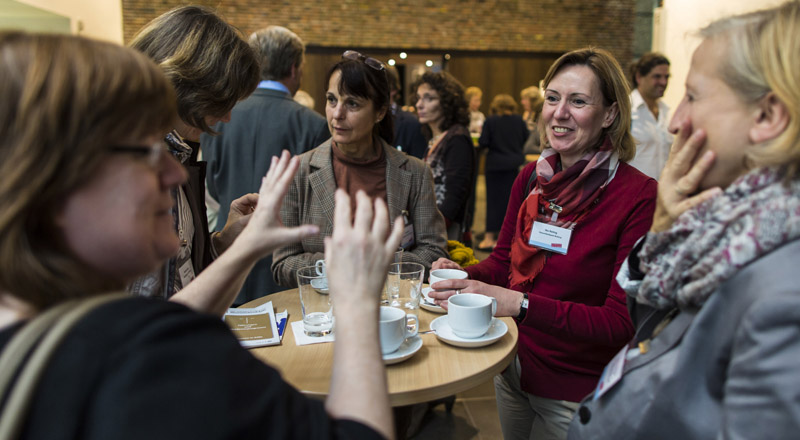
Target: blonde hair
pixel 471 92
pixel 534 96
pixel 763 56
pixel 614 88
pixel 63 101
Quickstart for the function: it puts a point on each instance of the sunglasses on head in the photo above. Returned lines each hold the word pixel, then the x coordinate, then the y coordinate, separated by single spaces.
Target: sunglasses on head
pixel 369 61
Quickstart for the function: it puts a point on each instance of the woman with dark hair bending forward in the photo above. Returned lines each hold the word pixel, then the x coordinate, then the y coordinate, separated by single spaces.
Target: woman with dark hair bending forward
pixel 359 156
pixel 572 219
pixel 211 69
pixel 444 116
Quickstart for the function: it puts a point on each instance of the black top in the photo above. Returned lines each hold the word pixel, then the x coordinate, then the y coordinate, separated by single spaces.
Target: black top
pixel 453 166
pixel 504 136
pixel 150 369
pixel 408 134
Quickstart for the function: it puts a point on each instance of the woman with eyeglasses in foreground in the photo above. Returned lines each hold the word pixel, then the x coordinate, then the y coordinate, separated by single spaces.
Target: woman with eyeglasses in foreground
pixel 359 156
pixel 84 210
pixel 713 286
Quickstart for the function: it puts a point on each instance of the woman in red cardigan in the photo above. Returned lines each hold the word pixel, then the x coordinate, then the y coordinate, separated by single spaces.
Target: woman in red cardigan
pixel 571 220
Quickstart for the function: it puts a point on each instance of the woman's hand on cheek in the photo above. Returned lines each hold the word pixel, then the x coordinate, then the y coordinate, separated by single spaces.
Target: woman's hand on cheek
pixel 680 180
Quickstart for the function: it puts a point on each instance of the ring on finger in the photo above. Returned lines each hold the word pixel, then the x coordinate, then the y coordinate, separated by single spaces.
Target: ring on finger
pixel 458 291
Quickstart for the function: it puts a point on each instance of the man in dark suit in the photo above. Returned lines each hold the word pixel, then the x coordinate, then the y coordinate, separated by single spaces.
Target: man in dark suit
pixel 261 126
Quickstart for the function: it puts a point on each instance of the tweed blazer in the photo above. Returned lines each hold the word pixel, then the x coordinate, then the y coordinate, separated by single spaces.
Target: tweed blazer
pixel 725 371
pixel 310 200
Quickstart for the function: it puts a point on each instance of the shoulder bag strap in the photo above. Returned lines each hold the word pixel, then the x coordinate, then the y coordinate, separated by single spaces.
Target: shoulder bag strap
pixel 51 327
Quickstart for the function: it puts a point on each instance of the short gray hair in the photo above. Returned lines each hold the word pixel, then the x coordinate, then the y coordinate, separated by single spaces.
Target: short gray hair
pixel 278 49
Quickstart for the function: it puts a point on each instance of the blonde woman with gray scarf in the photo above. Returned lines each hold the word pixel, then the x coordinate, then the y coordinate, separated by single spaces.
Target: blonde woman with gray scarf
pixel 713 286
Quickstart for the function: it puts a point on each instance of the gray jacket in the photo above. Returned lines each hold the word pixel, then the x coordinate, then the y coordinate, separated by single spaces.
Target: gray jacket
pixel 728 370
pixel 310 200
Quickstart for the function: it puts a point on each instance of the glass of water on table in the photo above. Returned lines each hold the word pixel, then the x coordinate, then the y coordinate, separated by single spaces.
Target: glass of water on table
pixel 315 302
pixel 404 286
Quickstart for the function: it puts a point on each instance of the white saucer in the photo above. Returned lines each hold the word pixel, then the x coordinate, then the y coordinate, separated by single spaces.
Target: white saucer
pixel 320 285
pixel 427 303
pixel 441 327
pixel 406 350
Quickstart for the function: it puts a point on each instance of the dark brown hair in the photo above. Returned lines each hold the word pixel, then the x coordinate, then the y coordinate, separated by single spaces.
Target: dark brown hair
pixel 645 64
pixel 455 108
pixel 359 79
pixel 503 104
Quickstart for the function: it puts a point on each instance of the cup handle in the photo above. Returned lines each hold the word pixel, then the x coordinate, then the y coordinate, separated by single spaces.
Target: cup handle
pixel 494 306
pixel 320 267
pixel 412 333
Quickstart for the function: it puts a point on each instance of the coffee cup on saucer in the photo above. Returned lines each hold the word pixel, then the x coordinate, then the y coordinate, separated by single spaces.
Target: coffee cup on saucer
pixel 320 284
pixel 394 329
pixel 470 314
pixel 446 274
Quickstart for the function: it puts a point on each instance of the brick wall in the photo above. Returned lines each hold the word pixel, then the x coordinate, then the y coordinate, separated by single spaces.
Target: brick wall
pixel 517 26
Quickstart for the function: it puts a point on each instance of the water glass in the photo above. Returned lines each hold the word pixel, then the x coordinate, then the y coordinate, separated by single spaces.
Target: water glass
pixel 404 285
pixel 398 255
pixel 315 302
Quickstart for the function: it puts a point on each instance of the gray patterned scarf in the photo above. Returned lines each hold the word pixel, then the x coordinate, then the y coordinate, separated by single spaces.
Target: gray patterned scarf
pixel 707 245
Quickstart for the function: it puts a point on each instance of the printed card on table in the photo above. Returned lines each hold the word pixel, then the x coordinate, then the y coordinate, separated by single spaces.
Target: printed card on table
pixel 255 327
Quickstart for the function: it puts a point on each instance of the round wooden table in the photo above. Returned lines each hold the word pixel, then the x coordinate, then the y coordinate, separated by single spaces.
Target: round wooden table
pixel 436 371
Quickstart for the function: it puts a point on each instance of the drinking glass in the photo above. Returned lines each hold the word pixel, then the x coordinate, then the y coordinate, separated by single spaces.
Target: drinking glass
pixel 314 301
pixel 398 255
pixel 404 285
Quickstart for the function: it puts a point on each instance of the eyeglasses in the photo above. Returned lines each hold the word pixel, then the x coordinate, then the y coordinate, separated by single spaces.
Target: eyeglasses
pixel 369 61
pixel 150 153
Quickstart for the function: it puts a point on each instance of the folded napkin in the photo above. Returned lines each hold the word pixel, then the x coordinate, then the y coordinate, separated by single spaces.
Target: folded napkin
pixel 300 337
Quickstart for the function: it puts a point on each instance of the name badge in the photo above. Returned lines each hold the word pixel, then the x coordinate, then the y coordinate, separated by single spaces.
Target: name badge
pixel 611 374
pixel 186 273
pixel 408 240
pixel 549 237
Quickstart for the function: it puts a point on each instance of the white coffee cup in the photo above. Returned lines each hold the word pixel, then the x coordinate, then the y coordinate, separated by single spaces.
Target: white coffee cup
pixel 394 328
pixel 470 314
pixel 321 285
pixel 446 274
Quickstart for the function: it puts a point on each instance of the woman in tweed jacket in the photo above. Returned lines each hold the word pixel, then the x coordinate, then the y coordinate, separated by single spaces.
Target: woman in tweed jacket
pixel 358 157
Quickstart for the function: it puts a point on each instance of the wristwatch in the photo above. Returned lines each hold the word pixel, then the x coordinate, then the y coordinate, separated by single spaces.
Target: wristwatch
pixel 523 308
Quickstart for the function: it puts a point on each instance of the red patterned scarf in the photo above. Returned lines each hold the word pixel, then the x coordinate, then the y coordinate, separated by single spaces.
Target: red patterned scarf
pixel 574 190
